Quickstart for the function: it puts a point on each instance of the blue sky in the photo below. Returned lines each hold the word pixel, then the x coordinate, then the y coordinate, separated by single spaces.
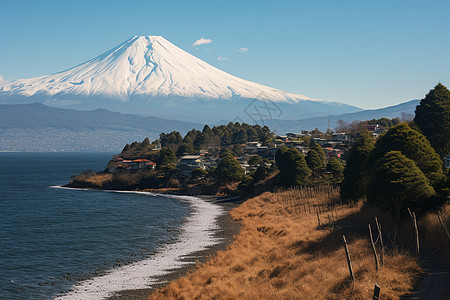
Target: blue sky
pixel 370 54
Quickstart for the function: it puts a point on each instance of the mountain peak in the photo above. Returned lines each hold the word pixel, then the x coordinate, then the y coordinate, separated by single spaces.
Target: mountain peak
pixel 148 66
pixel 150 75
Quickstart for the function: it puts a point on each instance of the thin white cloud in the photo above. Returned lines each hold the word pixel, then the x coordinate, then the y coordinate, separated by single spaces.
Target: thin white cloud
pixel 202 41
pixel 222 58
pixel 242 50
pixel 3 80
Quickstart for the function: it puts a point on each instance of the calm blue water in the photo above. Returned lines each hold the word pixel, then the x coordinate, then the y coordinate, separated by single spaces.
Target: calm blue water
pixel 51 238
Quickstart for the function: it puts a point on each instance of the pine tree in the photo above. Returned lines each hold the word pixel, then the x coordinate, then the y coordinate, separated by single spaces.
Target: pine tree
pixel 255 160
pixel 126 148
pixel 397 183
pixel 166 160
pixel 314 160
pixel 355 174
pixel 433 119
pixel 292 166
pixel 320 151
pixel 413 145
pixel 186 148
pixel 145 143
pixel 260 173
pixel 229 169
pixel 335 167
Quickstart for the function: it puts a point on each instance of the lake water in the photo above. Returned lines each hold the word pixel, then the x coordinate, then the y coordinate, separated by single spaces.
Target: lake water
pixel 85 244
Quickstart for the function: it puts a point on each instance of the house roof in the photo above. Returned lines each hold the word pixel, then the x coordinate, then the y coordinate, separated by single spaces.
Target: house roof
pixel 191 157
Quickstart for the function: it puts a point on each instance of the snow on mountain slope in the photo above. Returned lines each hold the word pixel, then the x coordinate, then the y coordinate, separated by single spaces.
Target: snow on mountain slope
pixel 148 75
pixel 147 66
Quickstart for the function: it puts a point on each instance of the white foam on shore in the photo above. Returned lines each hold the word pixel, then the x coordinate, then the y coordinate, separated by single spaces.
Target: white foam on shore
pixel 196 234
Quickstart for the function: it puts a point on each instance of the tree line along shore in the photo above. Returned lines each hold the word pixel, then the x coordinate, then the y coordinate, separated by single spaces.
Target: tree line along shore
pixel 304 192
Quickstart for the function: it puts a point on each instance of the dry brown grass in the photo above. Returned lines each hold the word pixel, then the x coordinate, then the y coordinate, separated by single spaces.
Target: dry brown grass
pixel 432 233
pixel 281 253
pixel 93 180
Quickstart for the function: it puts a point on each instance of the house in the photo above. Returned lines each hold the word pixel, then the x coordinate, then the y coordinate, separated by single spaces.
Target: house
pixel 252 147
pixel 340 137
pixel 332 152
pixel 189 163
pixel 262 151
pixel 210 162
pixel 293 135
pixel 293 144
pixel 320 141
pixel 371 128
pixel 302 149
pixel 131 165
pixel 447 162
pixel 139 164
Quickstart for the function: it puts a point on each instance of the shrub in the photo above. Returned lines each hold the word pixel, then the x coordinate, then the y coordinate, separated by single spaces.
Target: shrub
pixel 292 166
pixel 397 183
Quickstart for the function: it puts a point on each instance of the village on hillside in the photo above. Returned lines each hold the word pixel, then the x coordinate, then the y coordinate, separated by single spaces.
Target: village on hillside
pixel 249 153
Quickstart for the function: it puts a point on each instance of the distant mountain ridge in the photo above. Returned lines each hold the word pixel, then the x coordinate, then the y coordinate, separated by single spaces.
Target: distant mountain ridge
pixel 148 75
pixel 37 127
pixel 322 122
pixel 37 115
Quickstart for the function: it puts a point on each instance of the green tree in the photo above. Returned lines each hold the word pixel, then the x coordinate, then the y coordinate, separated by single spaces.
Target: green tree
pixel 171 140
pixel 355 173
pixel 229 169
pixel 433 119
pixel 292 166
pixel 190 137
pixel 314 161
pixel 320 151
pixel 397 183
pixel 252 134
pixel 413 145
pixel 260 174
pixel 225 140
pixel 240 137
pixel 255 160
pixel 166 160
pixel 246 183
pixel 126 148
pixel 198 175
pixel 335 167
pixel 145 143
pixel 238 150
pixel 186 148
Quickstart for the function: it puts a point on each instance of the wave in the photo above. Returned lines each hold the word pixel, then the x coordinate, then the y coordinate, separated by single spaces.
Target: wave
pixel 196 234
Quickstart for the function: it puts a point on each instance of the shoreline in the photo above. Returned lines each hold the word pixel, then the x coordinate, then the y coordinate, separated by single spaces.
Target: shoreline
pixel 223 234
pixel 227 230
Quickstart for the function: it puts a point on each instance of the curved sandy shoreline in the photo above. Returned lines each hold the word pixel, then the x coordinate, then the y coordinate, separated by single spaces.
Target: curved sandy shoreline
pixel 199 237
pixel 226 232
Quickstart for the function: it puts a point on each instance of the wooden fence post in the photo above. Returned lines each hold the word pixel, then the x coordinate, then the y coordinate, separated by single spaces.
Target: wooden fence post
pixel 416 231
pixel 348 259
pixel 417 235
pixel 376 292
pixel 377 265
pixel 381 241
pixel 443 225
pixel 318 219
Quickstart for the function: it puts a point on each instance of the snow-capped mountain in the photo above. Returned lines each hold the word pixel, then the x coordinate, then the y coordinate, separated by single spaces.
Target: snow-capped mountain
pixel 151 76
